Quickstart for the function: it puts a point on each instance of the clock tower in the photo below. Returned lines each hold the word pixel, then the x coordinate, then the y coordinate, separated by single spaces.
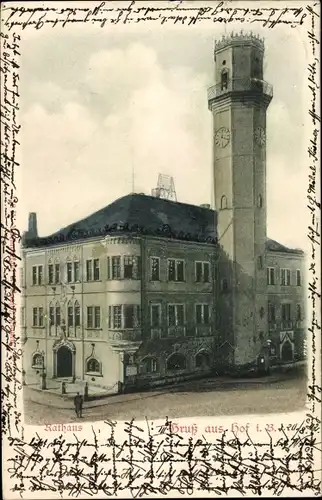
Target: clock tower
pixel 238 101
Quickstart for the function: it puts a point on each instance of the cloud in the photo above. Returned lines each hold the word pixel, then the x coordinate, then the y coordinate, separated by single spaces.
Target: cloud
pixel 82 161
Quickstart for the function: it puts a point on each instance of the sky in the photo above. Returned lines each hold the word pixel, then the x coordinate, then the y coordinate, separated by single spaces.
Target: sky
pixel 97 105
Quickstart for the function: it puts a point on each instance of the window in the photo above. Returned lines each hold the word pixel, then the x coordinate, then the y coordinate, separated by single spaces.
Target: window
pixel 260 201
pixel 175 270
pixel 260 262
pixel 116 268
pixel 69 272
pixel 35 316
pixel 77 314
pixel 93 317
pixel 93 366
pixel 224 79
pixel 96 266
pixel 128 316
pixel 89 270
pixel 285 277
pixel 76 271
pixel 298 277
pixel 132 268
pixel 271 313
pixel 131 316
pixel 128 267
pixel 57 316
pixel 202 270
pixel 37 272
pixel 298 312
pixel 70 316
pixel 117 316
pixel 51 315
pixel 50 274
pixel 53 273
pixel 150 365
pixel 37 360
pixel 57 273
pixel 286 312
pixel 92 270
pixel 38 316
pixel 72 271
pixel 176 362
pixel 202 314
pixel 54 315
pixel 155 269
pixel 271 275
pixel 73 314
pixel 223 202
pixel 155 315
pixel 124 316
pixel 176 315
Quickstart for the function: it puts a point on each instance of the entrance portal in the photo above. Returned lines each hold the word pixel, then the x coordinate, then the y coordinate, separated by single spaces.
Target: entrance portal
pixel 64 362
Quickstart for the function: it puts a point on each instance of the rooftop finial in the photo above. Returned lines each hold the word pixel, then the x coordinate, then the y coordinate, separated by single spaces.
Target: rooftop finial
pixel 238 38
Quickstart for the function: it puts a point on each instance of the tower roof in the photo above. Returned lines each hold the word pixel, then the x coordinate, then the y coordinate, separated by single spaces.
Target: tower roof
pixel 237 39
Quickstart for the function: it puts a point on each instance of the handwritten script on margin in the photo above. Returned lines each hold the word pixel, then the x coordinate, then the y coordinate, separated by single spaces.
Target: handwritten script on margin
pixel 169 13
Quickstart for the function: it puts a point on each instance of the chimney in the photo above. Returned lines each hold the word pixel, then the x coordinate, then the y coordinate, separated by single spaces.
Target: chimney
pixel 32 225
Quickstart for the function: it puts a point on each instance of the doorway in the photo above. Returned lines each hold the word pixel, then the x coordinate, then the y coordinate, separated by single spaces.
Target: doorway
pixel 64 362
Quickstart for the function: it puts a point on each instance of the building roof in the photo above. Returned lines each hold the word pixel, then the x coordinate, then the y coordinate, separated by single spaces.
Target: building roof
pixel 139 214
pixel 274 246
pixel 142 214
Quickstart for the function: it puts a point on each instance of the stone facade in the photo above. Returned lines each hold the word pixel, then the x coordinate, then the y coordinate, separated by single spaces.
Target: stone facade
pixel 111 352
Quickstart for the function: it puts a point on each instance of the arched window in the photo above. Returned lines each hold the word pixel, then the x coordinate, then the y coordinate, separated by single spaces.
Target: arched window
pixel 76 268
pixel 76 314
pixel 223 202
pixel 287 351
pixel 260 201
pixel 37 360
pixel 224 79
pixel 149 365
pixel 57 277
pixel 70 314
pixel 203 360
pixel 50 272
pixel 69 270
pixel 176 362
pixel 93 366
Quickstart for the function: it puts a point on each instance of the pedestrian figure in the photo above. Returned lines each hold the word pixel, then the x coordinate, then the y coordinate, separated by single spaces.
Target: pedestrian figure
pixel 78 402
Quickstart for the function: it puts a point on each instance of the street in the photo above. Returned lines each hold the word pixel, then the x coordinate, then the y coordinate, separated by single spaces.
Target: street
pixel 191 399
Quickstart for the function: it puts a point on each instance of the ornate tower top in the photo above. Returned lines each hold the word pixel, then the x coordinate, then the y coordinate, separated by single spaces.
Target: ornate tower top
pixel 241 38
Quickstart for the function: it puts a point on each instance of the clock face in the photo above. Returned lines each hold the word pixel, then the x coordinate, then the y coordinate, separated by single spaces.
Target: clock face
pixel 260 136
pixel 222 137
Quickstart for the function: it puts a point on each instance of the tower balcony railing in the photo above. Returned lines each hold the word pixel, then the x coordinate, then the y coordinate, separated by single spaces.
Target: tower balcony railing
pixel 240 85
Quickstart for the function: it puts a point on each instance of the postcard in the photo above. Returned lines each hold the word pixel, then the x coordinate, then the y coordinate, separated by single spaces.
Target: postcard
pixel 161 327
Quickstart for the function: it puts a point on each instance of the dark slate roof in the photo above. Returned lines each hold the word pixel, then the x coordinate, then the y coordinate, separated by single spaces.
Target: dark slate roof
pixel 274 246
pixel 142 214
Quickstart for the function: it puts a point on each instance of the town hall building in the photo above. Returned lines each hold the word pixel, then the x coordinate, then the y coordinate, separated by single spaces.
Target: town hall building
pixel 149 291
